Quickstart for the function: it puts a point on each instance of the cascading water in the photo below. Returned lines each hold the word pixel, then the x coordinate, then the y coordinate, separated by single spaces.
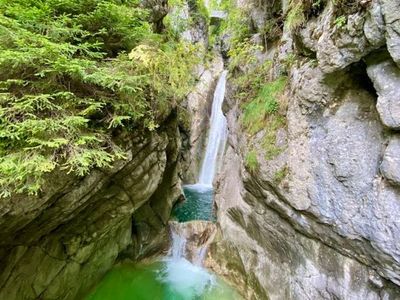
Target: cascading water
pixel 198 206
pixel 175 277
pixel 199 196
pixel 182 277
pixel 217 135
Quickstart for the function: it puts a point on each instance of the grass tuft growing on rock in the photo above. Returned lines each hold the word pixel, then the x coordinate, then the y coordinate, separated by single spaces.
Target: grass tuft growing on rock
pixel 251 161
pixel 296 15
pixel 265 104
pixel 281 174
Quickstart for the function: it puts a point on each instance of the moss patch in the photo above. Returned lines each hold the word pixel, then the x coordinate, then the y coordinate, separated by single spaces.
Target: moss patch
pixel 281 174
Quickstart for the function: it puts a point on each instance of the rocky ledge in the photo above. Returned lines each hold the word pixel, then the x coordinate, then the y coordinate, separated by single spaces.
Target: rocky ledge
pixel 57 245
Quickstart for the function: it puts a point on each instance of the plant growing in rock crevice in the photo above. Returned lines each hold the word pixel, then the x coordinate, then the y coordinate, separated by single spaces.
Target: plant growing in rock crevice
pixel 251 161
pixel 340 21
pixel 262 113
pixel 280 174
pixel 266 103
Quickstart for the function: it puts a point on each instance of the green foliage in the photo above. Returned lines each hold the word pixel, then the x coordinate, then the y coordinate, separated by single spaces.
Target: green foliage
pixel 317 4
pixel 236 25
pixel 262 113
pixel 264 104
pixel 302 10
pixel 280 175
pixel 251 81
pixel 243 54
pixel 271 30
pixel 296 15
pixel 202 10
pixel 340 21
pixel 289 61
pixel 67 84
pixel 251 161
pixel 173 21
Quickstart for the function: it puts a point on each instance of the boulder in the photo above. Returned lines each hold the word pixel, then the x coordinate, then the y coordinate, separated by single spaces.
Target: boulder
pixel 390 167
pixel 385 76
pixel 390 10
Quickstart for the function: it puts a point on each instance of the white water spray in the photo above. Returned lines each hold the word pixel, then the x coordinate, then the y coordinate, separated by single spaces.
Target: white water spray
pixel 217 134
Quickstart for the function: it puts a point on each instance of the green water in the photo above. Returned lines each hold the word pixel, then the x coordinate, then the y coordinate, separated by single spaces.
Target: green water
pixel 165 280
pixel 198 204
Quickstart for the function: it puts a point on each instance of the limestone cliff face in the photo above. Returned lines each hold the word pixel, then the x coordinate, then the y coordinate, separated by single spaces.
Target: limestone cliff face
pixel 57 245
pixel 329 229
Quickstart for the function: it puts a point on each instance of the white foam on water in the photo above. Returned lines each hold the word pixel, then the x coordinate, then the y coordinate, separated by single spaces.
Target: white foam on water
pixel 186 279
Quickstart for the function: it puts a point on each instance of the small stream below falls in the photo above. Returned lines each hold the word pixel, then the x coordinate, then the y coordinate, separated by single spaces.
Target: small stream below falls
pixel 181 275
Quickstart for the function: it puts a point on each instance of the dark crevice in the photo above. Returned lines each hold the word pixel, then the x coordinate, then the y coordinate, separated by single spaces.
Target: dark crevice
pixel 358 74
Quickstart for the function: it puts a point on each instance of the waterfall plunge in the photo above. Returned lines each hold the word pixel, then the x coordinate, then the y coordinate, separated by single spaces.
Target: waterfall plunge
pixel 217 135
pixel 184 277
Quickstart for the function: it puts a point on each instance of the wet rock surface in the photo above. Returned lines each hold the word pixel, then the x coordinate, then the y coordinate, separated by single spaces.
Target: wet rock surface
pixel 198 236
pixel 57 245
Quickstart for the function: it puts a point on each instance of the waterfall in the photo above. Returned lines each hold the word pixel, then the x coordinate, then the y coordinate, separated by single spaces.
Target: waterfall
pixel 184 273
pixel 217 134
pixel 178 247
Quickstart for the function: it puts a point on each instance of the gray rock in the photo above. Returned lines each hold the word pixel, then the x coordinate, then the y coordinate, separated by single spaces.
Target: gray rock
pixel 56 246
pixel 386 78
pixel 333 220
pixel 390 166
pixel 330 229
pixel 390 9
pixel 374 26
pixel 217 16
pixel 336 47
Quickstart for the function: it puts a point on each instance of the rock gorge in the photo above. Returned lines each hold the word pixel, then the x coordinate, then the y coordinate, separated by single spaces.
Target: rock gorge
pixel 307 204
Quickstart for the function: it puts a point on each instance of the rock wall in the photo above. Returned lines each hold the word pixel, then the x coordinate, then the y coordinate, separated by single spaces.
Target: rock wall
pixel 329 229
pixel 57 245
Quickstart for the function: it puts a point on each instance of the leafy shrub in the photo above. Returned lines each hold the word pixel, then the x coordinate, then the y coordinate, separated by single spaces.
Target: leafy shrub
pixel 242 54
pixel 340 21
pixel 296 15
pixel 67 83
